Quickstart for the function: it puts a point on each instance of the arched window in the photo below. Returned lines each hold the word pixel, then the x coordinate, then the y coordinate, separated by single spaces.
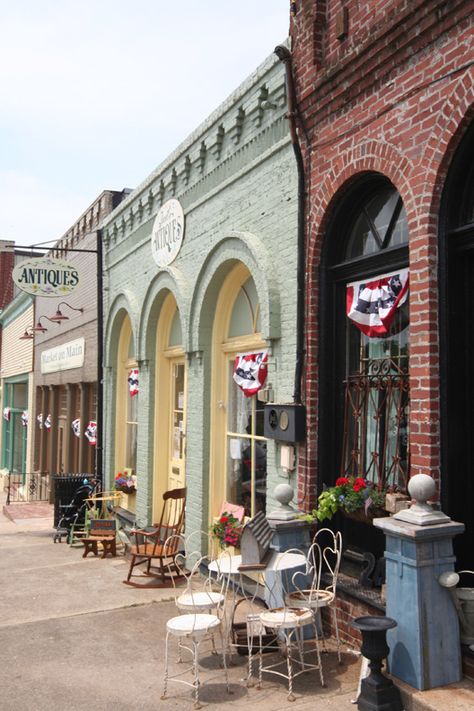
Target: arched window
pixel 457 345
pixel 238 467
pixel 364 364
pixel 126 422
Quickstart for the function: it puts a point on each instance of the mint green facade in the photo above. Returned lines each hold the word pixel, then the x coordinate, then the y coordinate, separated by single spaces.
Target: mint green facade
pixel 236 180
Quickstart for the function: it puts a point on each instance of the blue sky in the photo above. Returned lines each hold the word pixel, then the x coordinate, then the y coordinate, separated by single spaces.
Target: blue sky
pixel 94 94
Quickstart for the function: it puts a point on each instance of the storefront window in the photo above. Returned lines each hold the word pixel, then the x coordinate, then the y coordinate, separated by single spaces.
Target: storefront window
pixel 239 448
pixel 367 397
pixel 15 402
pixel 127 403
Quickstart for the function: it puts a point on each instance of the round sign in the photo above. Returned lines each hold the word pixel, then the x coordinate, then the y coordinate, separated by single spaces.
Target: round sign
pixel 168 232
pixel 45 276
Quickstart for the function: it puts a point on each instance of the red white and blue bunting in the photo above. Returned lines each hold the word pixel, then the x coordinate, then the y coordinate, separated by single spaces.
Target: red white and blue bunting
pixel 250 371
pixel 91 433
pixel 76 427
pixel 372 304
pixel 6 413
pixel 24 418
pixel 133 382
pixel 40 420
pixel 48 422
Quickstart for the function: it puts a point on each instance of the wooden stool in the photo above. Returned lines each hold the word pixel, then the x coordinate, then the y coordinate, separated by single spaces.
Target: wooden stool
pixel 101 531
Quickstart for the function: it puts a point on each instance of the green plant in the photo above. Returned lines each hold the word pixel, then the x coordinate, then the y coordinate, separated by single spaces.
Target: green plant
pixel 349 494
pixel 227 529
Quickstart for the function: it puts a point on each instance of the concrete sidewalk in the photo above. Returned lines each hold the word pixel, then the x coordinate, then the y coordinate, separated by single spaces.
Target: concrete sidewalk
pixel 73 636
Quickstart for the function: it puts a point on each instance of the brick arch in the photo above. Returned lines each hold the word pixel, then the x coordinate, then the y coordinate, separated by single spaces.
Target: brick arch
pixel 368 157
pixel 452 120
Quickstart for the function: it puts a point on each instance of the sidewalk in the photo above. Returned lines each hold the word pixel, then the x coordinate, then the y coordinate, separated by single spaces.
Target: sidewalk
pixel 73 636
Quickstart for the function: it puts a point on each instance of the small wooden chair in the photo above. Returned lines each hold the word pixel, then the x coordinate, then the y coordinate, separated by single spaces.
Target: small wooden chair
pixel 101 531
pixel 151 545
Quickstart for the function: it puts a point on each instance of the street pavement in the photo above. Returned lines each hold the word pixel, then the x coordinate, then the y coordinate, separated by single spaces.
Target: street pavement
pixel 74 637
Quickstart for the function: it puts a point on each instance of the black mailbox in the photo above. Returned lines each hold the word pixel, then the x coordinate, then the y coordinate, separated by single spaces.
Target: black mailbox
pixel 286 423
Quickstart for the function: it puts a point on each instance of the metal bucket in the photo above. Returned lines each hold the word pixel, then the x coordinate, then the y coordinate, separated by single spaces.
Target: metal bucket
pixel 466 600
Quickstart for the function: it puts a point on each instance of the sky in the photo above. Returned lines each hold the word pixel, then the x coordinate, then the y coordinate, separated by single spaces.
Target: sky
pixel 94 94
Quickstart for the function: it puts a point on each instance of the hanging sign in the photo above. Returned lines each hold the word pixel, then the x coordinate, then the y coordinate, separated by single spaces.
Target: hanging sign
pixel 168 232
pixel 250 372
pixel 45 276
pixel 133 382
pixel 372 304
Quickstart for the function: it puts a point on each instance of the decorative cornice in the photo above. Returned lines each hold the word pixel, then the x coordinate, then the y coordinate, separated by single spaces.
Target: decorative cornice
pixel 244 118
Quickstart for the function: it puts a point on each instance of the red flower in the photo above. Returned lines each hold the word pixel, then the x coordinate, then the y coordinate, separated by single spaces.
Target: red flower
pixel 224 519
pixel 342 480
pixel 359 484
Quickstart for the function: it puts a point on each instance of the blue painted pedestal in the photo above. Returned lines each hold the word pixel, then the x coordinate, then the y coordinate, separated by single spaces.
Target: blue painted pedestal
pixel 425 647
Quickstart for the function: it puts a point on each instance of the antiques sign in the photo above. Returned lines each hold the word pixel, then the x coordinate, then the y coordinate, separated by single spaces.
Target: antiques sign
pixel 69 355
pixel 45 276
pixel 168 232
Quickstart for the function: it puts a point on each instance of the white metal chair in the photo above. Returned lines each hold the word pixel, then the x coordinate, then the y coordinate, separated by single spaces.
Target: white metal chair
pixel 324 560
pixel 202 608
pixel 288 623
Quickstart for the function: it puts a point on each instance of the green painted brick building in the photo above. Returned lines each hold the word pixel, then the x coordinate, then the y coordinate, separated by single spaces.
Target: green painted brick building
pixel 230 290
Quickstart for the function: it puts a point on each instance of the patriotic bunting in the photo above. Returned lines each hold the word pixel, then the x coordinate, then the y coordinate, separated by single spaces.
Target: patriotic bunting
pixel 250 372
pixel 133 382
pixel 76 427
pixel 6 413
pixel 91 433
pixel 47 423
pixel 40 420
pixel 372 304
pixel 24 418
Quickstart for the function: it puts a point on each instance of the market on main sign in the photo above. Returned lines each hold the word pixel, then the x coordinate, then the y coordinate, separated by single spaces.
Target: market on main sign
pixel 45 276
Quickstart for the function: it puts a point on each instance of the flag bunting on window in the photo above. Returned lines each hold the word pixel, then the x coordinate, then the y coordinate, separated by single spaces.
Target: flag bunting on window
pixel 371 305
pixel 76 427
pixel 6 413
pixel 24 418
pixel 91 433
pixel 40 420
pixel 250 372
pixel 47 423
pixel 133 382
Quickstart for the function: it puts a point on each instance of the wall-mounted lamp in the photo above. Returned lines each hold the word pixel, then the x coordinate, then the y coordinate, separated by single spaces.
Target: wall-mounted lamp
pixel 27 336
pixel 59 316
pixel 39 328
pixel 293 8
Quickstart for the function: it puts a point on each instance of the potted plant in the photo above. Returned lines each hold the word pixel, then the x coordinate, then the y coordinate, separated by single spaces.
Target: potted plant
pixel 354 496
pixel 126 483
pixel 227 530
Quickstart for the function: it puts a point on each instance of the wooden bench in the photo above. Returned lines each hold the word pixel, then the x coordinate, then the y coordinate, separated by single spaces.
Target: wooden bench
pixel 103 531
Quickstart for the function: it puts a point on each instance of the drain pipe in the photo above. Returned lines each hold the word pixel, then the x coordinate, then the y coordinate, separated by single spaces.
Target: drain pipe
pixel 284 55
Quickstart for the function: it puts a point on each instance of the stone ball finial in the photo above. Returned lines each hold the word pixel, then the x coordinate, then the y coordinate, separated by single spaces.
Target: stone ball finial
pixel 283 493
pixel 422 487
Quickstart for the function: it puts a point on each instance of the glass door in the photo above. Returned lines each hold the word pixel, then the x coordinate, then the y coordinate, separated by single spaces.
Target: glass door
pixel 177 445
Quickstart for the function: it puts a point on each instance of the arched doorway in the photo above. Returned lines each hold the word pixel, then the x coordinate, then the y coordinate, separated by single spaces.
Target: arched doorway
pixel 170 405
pixel 457 345
pixel 363 413
pixel 238 448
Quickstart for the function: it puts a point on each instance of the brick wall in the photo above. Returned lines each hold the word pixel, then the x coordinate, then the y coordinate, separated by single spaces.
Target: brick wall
pixel 7 261
pixel 393 95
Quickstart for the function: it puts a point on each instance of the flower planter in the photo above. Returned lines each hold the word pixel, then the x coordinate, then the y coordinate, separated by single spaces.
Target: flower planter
pixel 362 517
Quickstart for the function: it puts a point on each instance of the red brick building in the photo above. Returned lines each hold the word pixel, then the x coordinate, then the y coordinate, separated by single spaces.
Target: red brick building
pixel 384 111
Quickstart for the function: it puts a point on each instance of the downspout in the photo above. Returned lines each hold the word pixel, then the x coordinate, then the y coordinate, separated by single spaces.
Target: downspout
pixel 100 364
pixel 284 54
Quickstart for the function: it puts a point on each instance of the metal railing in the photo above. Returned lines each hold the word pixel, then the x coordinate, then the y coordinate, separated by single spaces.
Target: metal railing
pixel 35 486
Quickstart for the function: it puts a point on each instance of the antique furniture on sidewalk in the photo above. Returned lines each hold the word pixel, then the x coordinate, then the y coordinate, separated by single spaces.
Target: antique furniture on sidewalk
pixel 157 545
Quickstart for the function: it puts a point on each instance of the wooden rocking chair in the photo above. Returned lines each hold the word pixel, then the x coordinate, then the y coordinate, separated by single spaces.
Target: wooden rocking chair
pixel 151 544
